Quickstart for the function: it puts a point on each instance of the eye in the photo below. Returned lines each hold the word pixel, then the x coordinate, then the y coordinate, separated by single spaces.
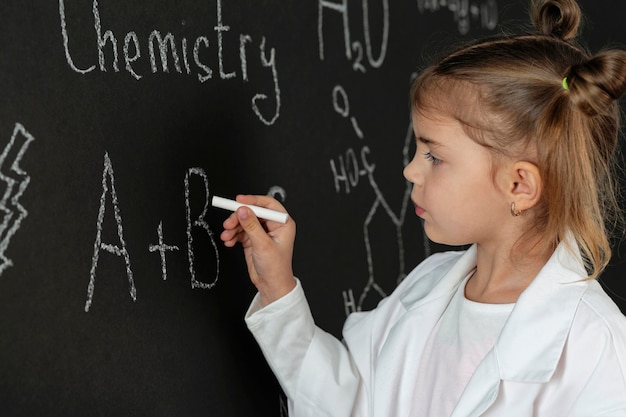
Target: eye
pixel 429 157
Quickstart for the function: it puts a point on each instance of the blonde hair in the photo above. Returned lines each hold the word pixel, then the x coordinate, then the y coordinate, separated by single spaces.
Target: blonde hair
pixel 543 97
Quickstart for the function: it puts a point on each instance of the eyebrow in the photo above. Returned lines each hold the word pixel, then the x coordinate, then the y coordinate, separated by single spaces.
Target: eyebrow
pixel 429 142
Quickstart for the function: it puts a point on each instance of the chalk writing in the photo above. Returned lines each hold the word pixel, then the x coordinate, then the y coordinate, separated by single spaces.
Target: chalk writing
pixel 168 48
pixel 284 409
pixel 162 248
pixel 343 108
pixel 464 12
pixel 199 222
pixel 397 221
pixel 121 250
pixel 193 221
pixel 349 174
pixel 271 62
pixel 350 47
pixel 347 170
pixel 354 164
pixel 278 193
pixel 16 180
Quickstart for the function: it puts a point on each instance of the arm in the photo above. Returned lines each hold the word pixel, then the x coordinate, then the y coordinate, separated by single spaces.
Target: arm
pixel 314 368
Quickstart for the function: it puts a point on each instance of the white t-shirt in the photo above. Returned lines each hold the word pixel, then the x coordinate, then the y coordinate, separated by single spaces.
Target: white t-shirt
pixel 466 331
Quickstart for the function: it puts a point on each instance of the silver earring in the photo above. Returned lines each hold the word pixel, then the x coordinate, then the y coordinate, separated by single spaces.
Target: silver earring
pixel 514 212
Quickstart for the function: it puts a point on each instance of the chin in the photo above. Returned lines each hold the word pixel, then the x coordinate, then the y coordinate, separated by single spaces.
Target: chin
pixel 441 239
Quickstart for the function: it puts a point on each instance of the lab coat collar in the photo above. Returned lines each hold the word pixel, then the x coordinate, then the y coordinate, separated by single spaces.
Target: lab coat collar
pixel 437 284
pixel 532 340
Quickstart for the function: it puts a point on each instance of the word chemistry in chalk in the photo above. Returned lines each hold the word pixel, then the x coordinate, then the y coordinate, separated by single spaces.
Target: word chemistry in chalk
pixel 188 56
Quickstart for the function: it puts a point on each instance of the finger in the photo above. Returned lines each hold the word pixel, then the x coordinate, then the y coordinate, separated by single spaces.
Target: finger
pixel 229 237
pixel 235 234
pixel 231 222
pixel 252 227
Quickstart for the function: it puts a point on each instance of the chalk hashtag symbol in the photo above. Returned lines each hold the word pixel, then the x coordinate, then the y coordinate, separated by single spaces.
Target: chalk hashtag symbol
pixel 16 180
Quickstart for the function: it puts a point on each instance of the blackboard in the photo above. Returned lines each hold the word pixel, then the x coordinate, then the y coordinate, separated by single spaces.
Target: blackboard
pixel 118 121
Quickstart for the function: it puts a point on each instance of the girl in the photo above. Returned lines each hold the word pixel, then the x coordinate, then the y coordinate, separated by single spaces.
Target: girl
pixel 515 142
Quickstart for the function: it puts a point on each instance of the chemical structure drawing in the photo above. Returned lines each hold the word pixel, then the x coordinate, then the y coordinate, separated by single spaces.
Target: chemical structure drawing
pixel 352 166
pixel 16 180
pixel 347 172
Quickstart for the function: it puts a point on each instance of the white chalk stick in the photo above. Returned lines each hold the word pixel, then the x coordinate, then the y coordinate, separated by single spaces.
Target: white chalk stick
pixel 232 205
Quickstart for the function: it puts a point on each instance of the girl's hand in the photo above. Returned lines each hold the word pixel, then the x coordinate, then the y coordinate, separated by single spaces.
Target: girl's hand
pixel 267 245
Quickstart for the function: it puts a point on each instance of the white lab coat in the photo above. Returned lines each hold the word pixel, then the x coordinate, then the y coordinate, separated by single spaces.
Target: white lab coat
pixel 562 351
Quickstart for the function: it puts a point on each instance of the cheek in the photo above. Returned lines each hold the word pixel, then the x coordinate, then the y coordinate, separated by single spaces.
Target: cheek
pixel 445 197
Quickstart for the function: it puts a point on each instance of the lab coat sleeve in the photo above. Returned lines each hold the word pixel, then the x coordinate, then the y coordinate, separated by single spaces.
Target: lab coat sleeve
pixel 314 368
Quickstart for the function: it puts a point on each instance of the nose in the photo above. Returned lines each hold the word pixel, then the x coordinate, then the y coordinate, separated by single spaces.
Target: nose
pixel 413 173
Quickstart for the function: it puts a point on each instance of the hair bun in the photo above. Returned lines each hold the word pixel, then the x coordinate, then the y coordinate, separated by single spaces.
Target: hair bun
pixel 596 83
pixel 558 18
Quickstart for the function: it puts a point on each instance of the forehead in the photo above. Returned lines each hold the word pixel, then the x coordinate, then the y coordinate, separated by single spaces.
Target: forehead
pixel 446 97
pixel 455 105
pixel 438 130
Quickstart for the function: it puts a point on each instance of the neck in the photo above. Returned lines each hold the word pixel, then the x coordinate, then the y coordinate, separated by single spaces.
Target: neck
pixel 501 276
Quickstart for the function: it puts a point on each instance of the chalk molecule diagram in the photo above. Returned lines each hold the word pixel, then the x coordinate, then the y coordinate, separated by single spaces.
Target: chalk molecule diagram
pixel 347 172
pixel 16 181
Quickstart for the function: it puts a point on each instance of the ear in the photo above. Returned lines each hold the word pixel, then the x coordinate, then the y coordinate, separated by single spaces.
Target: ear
pixel 523 184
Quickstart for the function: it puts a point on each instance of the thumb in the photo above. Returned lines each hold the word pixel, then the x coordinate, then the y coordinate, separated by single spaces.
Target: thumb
pixel 250 224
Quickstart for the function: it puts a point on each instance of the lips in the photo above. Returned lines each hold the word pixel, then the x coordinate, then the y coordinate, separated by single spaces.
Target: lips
pixel 419 210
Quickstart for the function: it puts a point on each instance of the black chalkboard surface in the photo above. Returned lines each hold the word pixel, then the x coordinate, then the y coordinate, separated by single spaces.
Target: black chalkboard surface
pixel 119 120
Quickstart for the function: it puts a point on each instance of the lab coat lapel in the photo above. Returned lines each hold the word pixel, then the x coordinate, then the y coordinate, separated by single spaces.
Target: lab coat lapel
pixel 424 301
pixel 481 390
pixel 531 342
